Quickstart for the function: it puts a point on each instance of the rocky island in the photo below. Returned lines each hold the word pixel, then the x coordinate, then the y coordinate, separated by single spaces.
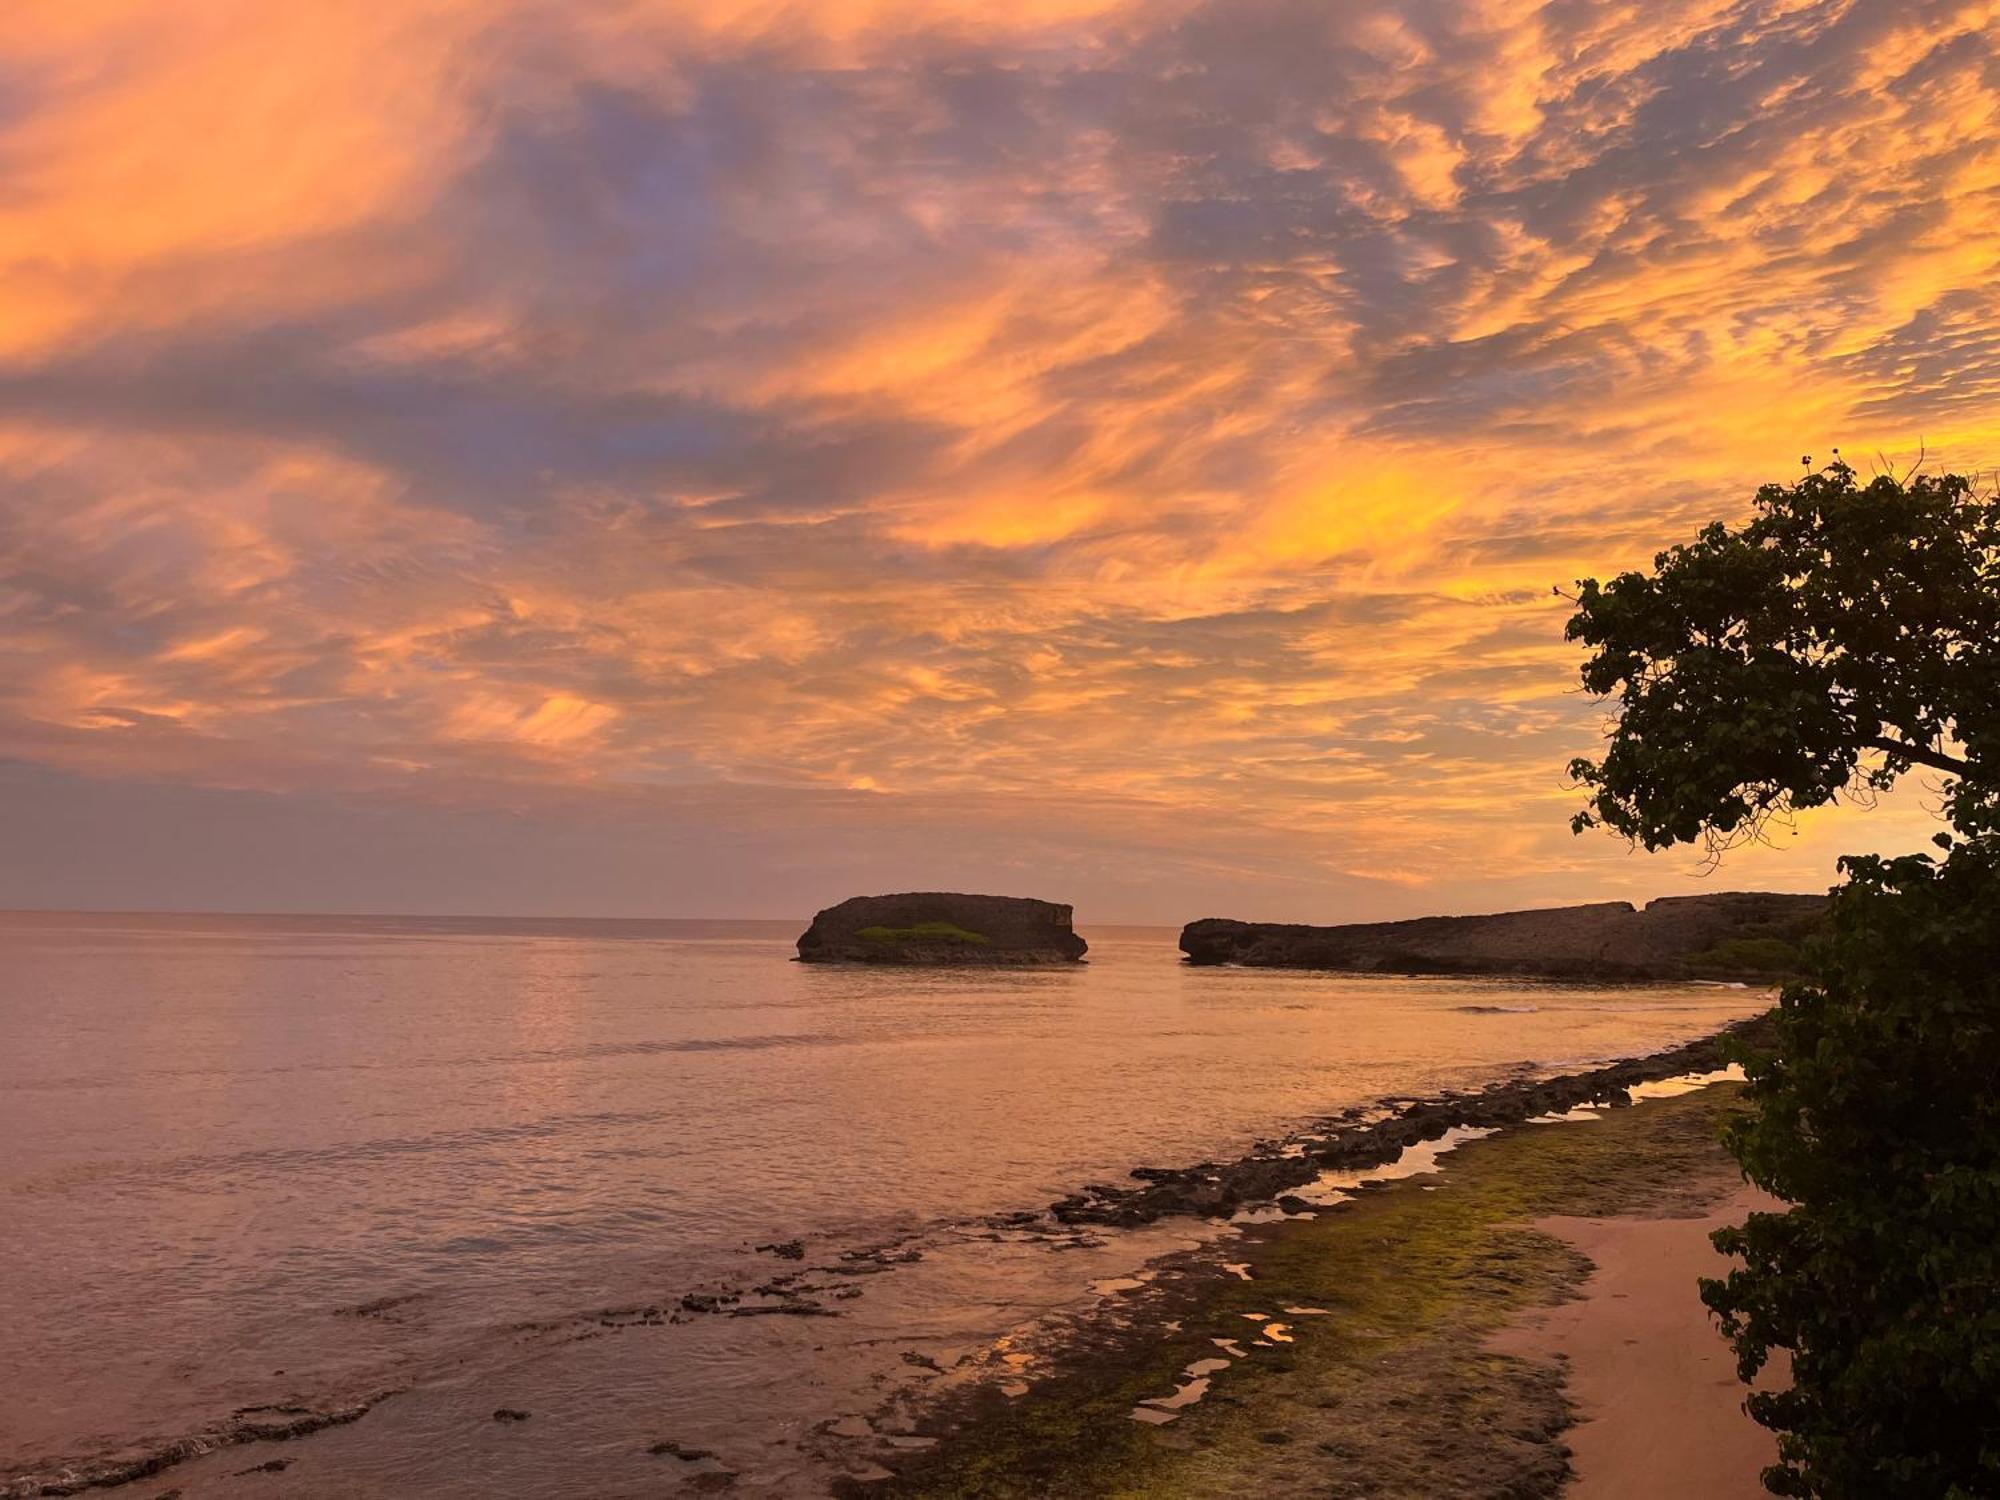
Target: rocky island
pixel 942 927
pixel 1731 935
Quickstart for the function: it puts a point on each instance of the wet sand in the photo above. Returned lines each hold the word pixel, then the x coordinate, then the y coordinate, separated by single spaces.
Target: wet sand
pixel 1659 1409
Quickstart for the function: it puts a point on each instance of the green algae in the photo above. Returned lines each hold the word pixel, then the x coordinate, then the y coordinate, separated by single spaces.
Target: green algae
pixel 1390 1391
pixel 925 932
pixel 1761 956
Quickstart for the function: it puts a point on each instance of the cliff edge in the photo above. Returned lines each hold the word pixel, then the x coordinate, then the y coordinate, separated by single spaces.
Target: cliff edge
pixel 942 927
pixel 1750 936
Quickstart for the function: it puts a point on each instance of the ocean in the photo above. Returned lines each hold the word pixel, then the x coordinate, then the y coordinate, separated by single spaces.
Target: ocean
pixel 271 1169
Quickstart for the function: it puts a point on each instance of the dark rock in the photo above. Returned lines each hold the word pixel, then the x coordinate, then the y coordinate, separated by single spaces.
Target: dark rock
pixel 671 1449
pixel 1732 935
pixel 509 1414
pixel 879 1258
pixel 269 1466
pixel 1356 1145
pixel 936 927
pixel 788 1250
pixel 264 1424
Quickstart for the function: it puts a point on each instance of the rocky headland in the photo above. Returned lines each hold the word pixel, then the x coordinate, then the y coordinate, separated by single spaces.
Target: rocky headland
pixel 942 927
pixel 1749 936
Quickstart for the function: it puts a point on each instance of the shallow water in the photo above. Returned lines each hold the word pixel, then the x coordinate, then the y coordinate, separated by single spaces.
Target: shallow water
pixel 293 1161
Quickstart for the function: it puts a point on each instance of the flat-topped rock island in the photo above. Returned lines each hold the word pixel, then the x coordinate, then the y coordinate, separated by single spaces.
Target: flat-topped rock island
pixel 942 927
pixel 1729 935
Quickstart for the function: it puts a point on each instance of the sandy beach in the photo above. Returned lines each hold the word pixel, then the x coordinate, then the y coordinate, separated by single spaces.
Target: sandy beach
pixel 1659 1408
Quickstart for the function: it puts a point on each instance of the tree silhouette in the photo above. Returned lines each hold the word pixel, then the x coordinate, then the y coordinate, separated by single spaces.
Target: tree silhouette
pixel 1843 636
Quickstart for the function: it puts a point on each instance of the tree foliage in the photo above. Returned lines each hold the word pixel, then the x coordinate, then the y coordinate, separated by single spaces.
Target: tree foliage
pixel 1879 1119
pixel 1844 635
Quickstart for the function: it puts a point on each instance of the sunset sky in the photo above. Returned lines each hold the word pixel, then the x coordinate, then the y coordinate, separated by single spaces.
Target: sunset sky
pixel 715 457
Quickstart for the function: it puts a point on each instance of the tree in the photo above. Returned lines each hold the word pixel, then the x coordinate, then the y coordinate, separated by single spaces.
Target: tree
pixel 1844 636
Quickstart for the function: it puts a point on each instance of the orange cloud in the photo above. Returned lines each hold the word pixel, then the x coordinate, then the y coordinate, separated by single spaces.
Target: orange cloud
pixel 1167 418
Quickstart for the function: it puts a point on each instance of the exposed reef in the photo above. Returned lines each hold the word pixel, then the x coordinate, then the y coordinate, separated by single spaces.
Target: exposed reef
pixel 249 1424
pixel 1343 1353
pixel 1731 935
pixel 941 927
pixel 1360 1141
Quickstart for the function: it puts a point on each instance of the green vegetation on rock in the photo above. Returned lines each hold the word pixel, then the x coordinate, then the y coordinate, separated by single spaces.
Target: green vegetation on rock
pixel 924 932
pixel 1749 956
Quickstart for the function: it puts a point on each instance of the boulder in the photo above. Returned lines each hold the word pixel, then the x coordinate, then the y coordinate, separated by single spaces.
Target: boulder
pixel 941 927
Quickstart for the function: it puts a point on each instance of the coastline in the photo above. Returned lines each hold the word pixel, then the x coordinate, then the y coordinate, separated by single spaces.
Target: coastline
pixel 1373 1350
pixel 1367 1137
pixel 1361 1146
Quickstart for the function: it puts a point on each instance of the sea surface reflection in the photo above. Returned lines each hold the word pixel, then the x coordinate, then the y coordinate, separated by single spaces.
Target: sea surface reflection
pixel 297 1161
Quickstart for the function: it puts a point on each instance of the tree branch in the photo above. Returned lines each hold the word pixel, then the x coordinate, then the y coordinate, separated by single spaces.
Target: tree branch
pixel 1937 760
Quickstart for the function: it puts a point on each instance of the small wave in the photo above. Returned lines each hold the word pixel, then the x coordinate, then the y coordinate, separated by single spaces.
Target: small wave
pixel 1496 1010
pixel 250 1424
pixel 216 1172
pixel 591 1051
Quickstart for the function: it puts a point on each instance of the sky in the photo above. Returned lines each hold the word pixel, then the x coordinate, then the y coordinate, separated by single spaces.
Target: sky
pixel 716 457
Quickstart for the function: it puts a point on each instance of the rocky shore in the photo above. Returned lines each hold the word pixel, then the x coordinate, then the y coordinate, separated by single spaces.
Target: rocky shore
pixel 1358 1140
pixel 1749 936
pixel 809 1284
pixel 942 927
pixel 249 1424
pixel 1350 1351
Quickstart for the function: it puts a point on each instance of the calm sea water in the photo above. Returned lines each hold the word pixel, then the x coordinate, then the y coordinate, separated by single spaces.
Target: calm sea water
pixel 294 1161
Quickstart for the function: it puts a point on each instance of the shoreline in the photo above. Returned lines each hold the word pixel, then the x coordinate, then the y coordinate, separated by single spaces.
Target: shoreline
pixel 1364 1350
pixel 1366 1141
pixel 1365 1137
